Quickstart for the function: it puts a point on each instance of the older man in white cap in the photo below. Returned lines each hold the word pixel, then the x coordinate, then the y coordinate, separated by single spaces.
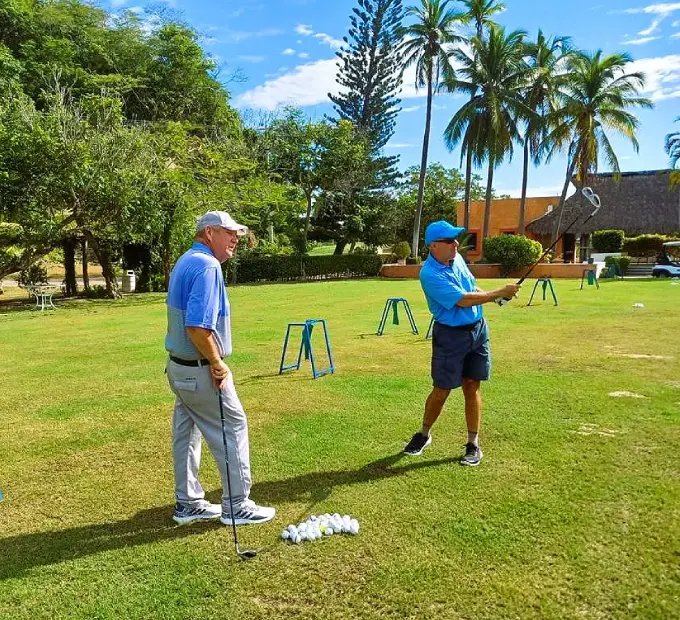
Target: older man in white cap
pixel 198 340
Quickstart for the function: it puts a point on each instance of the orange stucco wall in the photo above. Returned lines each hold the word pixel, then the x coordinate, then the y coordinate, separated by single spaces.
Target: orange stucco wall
pixel 544 270
pixel 504 217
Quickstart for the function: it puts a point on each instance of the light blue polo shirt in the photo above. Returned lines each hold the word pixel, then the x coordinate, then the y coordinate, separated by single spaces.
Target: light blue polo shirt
pixel 444 286
pixel 197 297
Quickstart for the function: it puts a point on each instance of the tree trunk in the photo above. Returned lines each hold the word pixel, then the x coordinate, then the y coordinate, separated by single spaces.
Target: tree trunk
pixel 339 247
pixel 86 274
pixel 307 216
pixel 423 166
pixel 525 179
pixel 104 258
pixel 563 197
pixel 71 286
pixel 489 199
pixel 468 187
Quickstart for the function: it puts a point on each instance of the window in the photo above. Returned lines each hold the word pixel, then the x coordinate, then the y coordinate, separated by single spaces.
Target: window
pixel 472 242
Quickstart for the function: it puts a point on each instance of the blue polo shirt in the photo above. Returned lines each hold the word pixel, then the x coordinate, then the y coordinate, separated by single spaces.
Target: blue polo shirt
pixel 197 297
pixel 444 286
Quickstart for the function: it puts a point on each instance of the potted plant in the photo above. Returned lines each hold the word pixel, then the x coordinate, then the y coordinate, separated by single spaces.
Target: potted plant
pixel 402 250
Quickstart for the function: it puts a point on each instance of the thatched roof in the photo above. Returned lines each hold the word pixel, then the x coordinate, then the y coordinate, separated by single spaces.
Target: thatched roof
pixel 640 203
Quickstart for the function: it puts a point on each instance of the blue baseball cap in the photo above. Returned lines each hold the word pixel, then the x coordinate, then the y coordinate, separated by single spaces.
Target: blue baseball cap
pixel 441 230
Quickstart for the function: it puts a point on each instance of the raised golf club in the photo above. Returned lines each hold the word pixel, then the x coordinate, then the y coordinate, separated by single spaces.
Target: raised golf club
pixel 594 199
pixel 247 554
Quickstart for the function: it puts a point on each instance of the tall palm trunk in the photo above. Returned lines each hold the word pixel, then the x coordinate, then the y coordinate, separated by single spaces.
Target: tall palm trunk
pixel 468 187
pixel 86 272
pixel 423 166
pixel 525 179
pixel 563 197
pixel 489 199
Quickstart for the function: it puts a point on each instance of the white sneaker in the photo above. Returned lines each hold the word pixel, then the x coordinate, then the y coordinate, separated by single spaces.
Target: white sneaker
pixel 249 513
pixel 203 510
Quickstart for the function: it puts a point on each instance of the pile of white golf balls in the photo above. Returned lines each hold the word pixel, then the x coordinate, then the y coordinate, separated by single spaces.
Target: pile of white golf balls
pixel 318 527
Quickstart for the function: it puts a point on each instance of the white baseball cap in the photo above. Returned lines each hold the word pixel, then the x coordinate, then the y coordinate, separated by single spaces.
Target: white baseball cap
pixel 223 219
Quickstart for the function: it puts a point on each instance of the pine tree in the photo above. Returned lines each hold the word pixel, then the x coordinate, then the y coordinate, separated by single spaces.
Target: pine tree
pixel 370 72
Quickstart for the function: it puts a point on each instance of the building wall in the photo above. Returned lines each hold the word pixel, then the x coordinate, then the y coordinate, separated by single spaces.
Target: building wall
pixel 504 218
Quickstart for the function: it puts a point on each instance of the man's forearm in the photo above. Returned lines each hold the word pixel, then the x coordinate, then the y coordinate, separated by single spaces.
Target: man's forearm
pixel 477 299
pixel 204 341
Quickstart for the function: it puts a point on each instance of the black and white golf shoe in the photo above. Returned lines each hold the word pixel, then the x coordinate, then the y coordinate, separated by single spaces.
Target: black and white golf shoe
pixel 417 444
pixel 249 513
pixel 473 455
pixel 188 514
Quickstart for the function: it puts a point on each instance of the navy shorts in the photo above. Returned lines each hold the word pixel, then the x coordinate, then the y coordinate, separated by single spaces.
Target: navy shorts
pixel 460 352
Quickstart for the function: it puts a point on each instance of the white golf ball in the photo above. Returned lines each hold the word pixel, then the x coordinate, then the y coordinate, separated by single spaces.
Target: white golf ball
pixel 292 529
pixel 285 534
pixel 297 540
pixel 329 531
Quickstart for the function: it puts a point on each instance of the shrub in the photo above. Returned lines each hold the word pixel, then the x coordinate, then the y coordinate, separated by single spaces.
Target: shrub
pixel 608 240
pixel 512 252
pixel 287 268
pixel 402 249
pixel 35 275
pixel 410 260
pixel 645 245
pixel 622 262
pixel 96 292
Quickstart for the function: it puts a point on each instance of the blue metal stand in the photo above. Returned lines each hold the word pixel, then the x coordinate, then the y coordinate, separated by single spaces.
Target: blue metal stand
pixel 306 345
pixel 429 329
pixel 547 282
pixel 591 274
pixel 393 303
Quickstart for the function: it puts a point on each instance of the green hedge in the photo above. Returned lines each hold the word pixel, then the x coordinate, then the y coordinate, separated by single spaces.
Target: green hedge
pixel 622 261
pixel 289 268
pixel 511 251
pixel 646 245
pixel 608 240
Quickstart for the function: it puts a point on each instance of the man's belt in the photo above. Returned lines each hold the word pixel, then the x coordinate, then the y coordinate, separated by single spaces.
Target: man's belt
pixel 462 328
pixel 181 362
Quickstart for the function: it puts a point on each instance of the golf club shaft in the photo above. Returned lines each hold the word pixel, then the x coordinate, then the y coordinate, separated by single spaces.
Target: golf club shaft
pixel 226 464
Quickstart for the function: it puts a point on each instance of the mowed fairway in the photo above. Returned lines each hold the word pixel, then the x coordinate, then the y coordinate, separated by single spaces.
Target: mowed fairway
pixel 573 513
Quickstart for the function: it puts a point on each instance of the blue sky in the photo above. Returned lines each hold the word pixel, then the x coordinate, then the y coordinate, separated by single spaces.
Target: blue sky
pixel 284 49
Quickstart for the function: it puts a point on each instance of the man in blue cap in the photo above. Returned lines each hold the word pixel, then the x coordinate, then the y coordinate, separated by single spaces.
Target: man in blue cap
pixel 460 337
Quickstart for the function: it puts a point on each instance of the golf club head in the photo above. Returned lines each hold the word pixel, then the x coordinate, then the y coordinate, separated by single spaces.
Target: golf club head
pixel 247 554
pixel 592 197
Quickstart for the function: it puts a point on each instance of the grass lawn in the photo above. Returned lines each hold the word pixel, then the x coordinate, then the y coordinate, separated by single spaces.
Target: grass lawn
pixel 574 512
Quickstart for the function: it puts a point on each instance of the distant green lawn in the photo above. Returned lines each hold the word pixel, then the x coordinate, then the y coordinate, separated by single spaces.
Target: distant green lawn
pixel 574 512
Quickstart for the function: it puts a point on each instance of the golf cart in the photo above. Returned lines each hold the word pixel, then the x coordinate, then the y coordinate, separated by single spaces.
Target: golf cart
pixel 668 261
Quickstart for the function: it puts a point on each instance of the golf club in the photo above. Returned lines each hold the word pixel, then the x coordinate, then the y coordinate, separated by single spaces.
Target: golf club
pixel 594 199
pixel 246 554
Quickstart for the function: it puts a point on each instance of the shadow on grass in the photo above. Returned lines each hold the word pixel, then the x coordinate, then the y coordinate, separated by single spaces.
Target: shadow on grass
pixel 19 554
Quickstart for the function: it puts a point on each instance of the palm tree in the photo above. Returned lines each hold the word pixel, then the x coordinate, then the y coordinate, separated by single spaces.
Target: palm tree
pixel 427 43
pixel 595 98
pixel 545 60
pixel 490 119
pixel 673 149
pixel 479 14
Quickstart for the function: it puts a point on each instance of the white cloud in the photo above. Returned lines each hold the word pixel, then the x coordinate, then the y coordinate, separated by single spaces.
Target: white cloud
pixel 248 58
pixel 117 3
pixel 304 29
pixel 306 85
pixel 676 35
pixel 289 51
pixel 309 84
pixel 654 25
pixel 399 145
pixel 663 76
pixel 640 41
pixel 665 8
pixel 676 24
pixel 242 35
pixel 303 55
pixel 411 109
pixel 329 40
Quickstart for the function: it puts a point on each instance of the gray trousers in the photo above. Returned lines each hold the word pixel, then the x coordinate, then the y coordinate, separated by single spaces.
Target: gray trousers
pixel 197 413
